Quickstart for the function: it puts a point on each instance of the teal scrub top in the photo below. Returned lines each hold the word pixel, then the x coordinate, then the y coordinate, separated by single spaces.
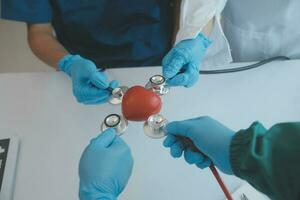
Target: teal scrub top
pixel 269 159
pixel 112 33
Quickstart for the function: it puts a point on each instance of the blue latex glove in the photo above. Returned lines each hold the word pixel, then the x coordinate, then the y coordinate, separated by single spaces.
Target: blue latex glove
pixel 182 64
pixel 89 85
pixel 209 136
pixel 105 167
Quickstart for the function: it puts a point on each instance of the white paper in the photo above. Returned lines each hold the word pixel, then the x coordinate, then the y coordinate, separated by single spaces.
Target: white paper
pixel 250 192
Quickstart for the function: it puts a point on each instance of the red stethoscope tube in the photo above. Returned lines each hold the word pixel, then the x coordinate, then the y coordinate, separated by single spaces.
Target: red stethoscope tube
pixel 221 182
pixel 213 169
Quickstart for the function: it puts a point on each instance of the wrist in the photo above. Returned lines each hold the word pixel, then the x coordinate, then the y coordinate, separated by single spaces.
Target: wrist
pixel 64 63
pixel 242 148
pixel 107 197
pixel 204 40
pixel 95 191
pixel 227 164
pixel 99 198
pixel 96 195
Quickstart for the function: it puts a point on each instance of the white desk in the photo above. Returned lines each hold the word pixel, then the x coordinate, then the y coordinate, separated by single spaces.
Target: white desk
pixel 54 128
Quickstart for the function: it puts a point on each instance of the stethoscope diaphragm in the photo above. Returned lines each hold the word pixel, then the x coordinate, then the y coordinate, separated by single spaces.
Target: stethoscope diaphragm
pixel 157 84
pixel 115 121
pixel 154 126
pixel 117 95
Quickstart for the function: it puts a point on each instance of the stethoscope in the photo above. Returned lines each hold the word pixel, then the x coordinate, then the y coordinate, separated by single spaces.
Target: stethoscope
pixel 154 127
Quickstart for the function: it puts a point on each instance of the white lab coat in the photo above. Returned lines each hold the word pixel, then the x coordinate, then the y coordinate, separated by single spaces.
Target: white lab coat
pixel 260 29
pixel 254 29
pixel 195 14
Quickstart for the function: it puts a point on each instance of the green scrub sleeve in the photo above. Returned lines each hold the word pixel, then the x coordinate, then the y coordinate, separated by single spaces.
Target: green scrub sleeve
pixel 269 159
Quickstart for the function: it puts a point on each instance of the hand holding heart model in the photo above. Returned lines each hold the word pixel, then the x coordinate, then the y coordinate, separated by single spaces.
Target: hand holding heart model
pixel 139 103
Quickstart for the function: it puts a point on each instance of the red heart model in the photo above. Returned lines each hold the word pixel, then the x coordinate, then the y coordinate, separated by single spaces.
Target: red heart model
pixel 139 103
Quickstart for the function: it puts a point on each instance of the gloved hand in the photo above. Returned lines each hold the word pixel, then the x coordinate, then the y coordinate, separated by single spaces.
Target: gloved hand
pixel 182 64
pixel 209 136
pixel 105 167
pixel 89 85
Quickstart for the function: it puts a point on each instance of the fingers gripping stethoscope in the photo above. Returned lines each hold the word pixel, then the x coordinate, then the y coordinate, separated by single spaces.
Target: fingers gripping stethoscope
pixel 154 127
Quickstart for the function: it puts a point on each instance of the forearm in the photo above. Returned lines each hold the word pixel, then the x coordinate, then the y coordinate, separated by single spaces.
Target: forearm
pixel 44 44
pixel 206 30
pixel 269 159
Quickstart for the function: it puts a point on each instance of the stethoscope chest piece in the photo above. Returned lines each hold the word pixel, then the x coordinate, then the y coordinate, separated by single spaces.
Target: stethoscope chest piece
pixel 157 84
pixel 154 126
pixel 115 121
pixel 117 95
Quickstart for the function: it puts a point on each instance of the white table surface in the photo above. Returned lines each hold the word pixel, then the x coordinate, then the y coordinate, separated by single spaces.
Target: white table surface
pixel 54 128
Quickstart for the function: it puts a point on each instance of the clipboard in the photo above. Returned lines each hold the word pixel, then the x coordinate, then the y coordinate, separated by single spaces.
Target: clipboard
pixel 9 148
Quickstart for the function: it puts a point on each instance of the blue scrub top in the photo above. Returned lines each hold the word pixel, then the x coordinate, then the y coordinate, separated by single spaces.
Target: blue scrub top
pixel 112 33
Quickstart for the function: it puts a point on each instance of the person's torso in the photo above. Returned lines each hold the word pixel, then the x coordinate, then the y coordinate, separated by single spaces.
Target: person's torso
pixel 115 33
pixel 259 29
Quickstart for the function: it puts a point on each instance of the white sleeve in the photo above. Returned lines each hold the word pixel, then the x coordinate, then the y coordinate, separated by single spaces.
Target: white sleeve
pixel 195 15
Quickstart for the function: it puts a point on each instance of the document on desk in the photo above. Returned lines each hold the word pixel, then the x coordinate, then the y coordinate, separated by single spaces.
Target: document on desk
pixel 8 161
pixel 247 192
